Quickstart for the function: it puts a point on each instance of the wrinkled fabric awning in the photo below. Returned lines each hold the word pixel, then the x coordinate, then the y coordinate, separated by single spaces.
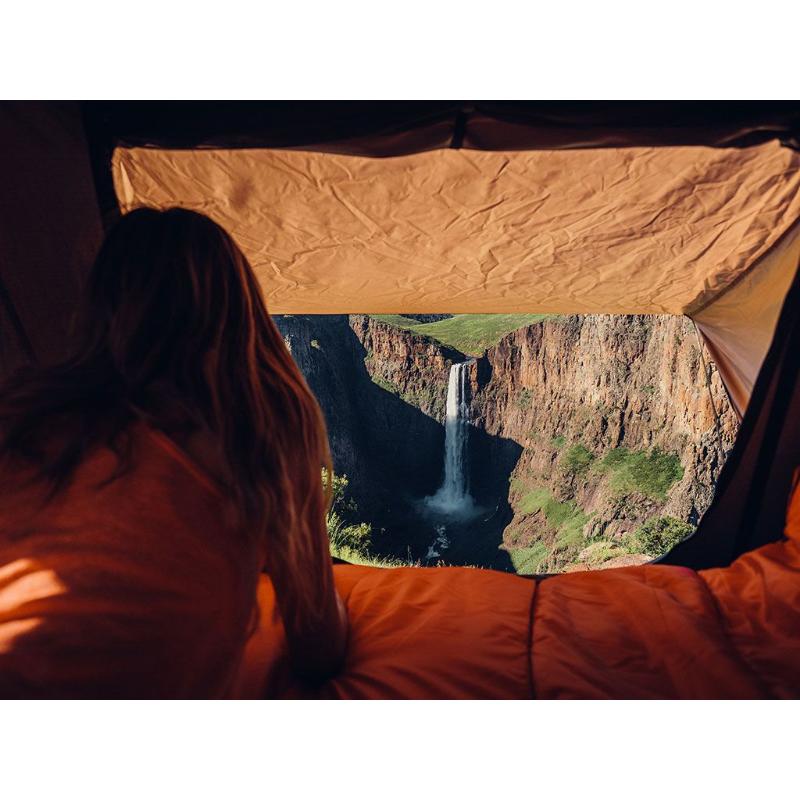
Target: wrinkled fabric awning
pixel 628 231
pixel 638 230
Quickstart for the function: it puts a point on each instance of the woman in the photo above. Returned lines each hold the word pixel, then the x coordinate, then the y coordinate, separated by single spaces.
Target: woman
pixel 146 482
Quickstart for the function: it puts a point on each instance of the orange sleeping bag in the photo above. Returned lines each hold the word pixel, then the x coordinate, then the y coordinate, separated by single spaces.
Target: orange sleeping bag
pixel 137 590
pixel 635 632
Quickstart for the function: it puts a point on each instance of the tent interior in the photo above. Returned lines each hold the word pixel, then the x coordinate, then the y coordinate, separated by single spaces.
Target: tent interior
pixel 688 210
pixel 450 207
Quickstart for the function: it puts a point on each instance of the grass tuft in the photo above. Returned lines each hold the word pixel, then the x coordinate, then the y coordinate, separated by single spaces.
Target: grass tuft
pixel 659 535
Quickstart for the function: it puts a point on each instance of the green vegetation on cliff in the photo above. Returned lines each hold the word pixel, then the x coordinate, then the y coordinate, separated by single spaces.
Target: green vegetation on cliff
pixel 469 333
pixel 564 538
pixel 659 535
pixel 560 537
pixel 528 560
pixel 350 541
pixel 566 518
pixel 649 473
pixel 576 460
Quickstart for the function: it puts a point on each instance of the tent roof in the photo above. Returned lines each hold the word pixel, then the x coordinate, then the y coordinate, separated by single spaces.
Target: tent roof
pixel 391 128
pixel 626 231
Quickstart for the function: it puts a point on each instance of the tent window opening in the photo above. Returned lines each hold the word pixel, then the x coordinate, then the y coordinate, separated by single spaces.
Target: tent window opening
pixel 533 361
pixel 528 443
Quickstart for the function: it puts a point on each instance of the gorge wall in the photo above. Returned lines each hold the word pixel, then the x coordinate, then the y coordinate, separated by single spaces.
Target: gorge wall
pixel 623 419
pixel 582 428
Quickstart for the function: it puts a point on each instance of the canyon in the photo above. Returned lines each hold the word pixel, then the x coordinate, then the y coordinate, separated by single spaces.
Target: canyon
pixel 583 435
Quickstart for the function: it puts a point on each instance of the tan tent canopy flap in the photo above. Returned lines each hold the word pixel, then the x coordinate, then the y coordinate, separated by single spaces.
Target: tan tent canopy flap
pixel 739 324
pixel 668 230
pixel 393 128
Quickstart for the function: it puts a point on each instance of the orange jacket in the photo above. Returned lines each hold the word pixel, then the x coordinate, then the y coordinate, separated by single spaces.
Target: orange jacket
pixel 132 589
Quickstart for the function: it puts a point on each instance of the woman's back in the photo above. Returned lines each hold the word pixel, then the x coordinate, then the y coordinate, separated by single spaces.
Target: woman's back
pixel 138 586
pixel 128 571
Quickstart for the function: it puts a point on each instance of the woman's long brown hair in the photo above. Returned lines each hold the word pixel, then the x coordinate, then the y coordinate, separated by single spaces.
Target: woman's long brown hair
pixel 173 306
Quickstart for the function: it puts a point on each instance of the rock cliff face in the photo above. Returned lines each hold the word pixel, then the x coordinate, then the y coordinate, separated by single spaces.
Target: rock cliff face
pixel 583 427
pixel 413 367
pixel 623 416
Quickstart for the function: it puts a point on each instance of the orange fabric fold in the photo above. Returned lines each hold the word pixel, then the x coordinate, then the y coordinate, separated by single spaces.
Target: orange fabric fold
pixel 635 633
pixel 759 600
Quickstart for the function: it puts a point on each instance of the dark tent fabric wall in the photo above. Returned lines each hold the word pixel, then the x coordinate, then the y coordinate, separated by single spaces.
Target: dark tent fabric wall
pixel 70 165
pixel 49 227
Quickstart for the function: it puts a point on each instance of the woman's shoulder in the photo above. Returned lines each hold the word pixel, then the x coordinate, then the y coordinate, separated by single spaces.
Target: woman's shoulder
pixel 143 484
pixel 141 572
pixel 184 453
pixel 158 521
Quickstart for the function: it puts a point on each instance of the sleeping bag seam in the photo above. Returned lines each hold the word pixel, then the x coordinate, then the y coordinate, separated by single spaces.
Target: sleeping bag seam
pixel 531 617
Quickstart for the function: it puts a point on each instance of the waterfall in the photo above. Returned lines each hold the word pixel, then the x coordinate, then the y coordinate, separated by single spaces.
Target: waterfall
pixel 453 496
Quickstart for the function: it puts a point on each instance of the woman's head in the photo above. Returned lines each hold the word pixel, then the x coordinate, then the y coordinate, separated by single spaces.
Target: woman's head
pixel 173 309
pixel 171 297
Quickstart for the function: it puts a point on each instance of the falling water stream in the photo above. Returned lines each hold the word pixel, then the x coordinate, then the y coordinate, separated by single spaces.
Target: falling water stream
pixel 453 500
pixel 453 495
